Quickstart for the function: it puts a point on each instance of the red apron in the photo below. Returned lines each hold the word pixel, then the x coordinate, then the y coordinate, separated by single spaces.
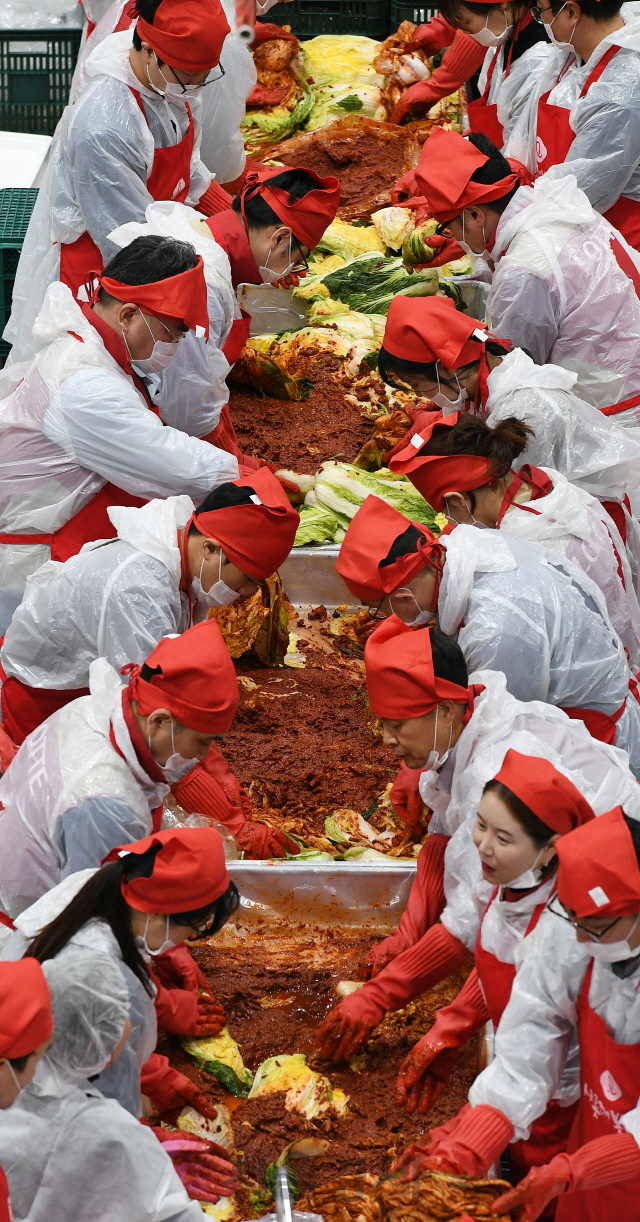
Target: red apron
pixel 610 1082
pixel 550 1132
pixel 554 138
pixel 169 179
pixel 483 115
pixel 6 1213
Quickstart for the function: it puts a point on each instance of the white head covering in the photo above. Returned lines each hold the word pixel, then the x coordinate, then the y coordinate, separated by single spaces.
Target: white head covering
pixel 90 1005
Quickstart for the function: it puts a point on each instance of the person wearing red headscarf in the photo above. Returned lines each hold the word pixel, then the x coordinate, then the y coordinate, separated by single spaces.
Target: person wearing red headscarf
pixel 576 305
pixel 535 503
pixel 577 982
pixel 453 731
pixel 26 1027
pixel 450 358
pixel 82 431
pixel 537 618
pixel 148 897
pixel 132 137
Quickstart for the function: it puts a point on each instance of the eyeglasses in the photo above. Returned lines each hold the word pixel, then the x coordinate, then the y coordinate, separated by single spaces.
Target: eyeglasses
pixel 557 908
pixel 397 602
pixel 174 338
pixel 205 928
pixel 537 12
pixel 442 230
pixel 211 80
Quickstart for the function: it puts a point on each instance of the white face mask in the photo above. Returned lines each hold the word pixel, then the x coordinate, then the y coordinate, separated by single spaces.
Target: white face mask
pixel 271 277
pixel 220 594
pixel 616 952
pixel 487 38
pixel 176 766
pixel 473 522
pixel 435 761
pixel 15 1078
pixel 161 356
pixel 562 46
pixel 450 405
pixel 143 945
pixel 173 92
pixel 486 254
pixel 531 877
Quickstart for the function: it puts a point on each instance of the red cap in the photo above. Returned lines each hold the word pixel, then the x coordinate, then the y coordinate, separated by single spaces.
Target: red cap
pixel 550 795
pixel 400 678
pixel 256 537
pixel 186 34
pixel 443 175
pixel 25 1008
pixel 372 532
pixel 189 871
pixel 196 680
pixel 307 217
pixel 430 329
pixel 599 873
pixel 434 475
pixel 183 296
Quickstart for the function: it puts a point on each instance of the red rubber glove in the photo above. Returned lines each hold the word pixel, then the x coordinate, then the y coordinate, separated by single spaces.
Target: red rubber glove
pixel 206 1175
pixel 170 1091
pixel 264 31
pixel 459 62
pixel 468 1145
pixel 426 903
pixel 607 1160
pixel 348 1026
pixel 426 1070
pixel 432 36
pixel 405 796
pixel 448 249
pixel 261 842
pixel 177 969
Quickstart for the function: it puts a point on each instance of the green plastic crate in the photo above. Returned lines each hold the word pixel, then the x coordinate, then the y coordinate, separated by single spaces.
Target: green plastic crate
pixel 418 13
pixel 36 67
pixel 16 206
pixel 308 18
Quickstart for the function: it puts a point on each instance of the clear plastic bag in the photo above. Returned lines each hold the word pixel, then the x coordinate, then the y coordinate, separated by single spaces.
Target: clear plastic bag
pixel 271 309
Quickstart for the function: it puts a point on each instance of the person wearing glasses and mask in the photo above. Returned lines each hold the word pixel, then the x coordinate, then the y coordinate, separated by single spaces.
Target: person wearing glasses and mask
pixel 452 732
pixel 578 978
pixel 451 359
pixel 137 910
pixel 530 502
pixel 516 50
pixel 584 114
pixel 132 137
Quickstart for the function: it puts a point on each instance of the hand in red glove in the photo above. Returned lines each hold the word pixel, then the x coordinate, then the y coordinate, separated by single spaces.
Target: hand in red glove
pixel 348 1026
pixel 447 248
pixel 261 842
pixel 426 1070
pixel 170 1091
pixel 206 1176
pixel 607 1160
pixel 177 969
pixel 405 796
pixel 415 102
pixel 211 1019
pixel 466 1145
pixel 432 36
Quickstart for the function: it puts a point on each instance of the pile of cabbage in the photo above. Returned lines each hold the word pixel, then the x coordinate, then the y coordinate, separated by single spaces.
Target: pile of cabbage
pixel 339 489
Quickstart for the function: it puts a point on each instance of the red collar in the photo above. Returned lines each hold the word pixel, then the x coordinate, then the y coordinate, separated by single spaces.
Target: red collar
pixel 116 348
pixel 144 756
pixel 231 235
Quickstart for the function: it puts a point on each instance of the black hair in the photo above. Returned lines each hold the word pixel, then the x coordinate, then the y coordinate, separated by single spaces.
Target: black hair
pixel 102 897
pixel 258 213
pixel 19 1064
pixel 146 9
pixel 448 658
pixel 225 496
pixel 451 11
pixel 539 832
pixel 634 831
pixel 597 10
pixel 391 368
pixel 472 435
pixel 493 170
pixel 147 260
pixel 404 545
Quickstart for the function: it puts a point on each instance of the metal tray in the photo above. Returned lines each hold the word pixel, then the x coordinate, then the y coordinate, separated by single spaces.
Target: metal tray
pixel 309 578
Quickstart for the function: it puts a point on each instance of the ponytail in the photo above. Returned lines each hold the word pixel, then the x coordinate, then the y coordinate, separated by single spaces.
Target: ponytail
pixel 472 435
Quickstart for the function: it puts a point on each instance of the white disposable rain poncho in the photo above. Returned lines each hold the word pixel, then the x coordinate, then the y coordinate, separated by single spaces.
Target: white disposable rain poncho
pixel 559 292
pixel 500 722
pixel 571 523
pixel 605 155
pixel 69 797
pixel 511 93
pixel 120 1081
pixel 96 179
pixel 193 390
pixel 540 620
pixel 67 1151
pixel 539 1024
pixel 125 593
pixel 74 422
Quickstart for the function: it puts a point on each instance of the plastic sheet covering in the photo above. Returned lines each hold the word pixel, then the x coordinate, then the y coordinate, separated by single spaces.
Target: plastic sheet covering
pixel 511 94
pixel 368 895
pixel 571 523
pixel 39 15
pixel 537 1026
pixel 101 157
pixel 582 313
pixel 224 106
pixel 125 593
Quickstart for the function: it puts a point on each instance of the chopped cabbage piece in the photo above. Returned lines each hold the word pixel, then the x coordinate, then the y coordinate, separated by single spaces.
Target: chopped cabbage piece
pixel 220 1056
pixel 342 488
pixel 307 1092
pixel 393 225
pixel 339 238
